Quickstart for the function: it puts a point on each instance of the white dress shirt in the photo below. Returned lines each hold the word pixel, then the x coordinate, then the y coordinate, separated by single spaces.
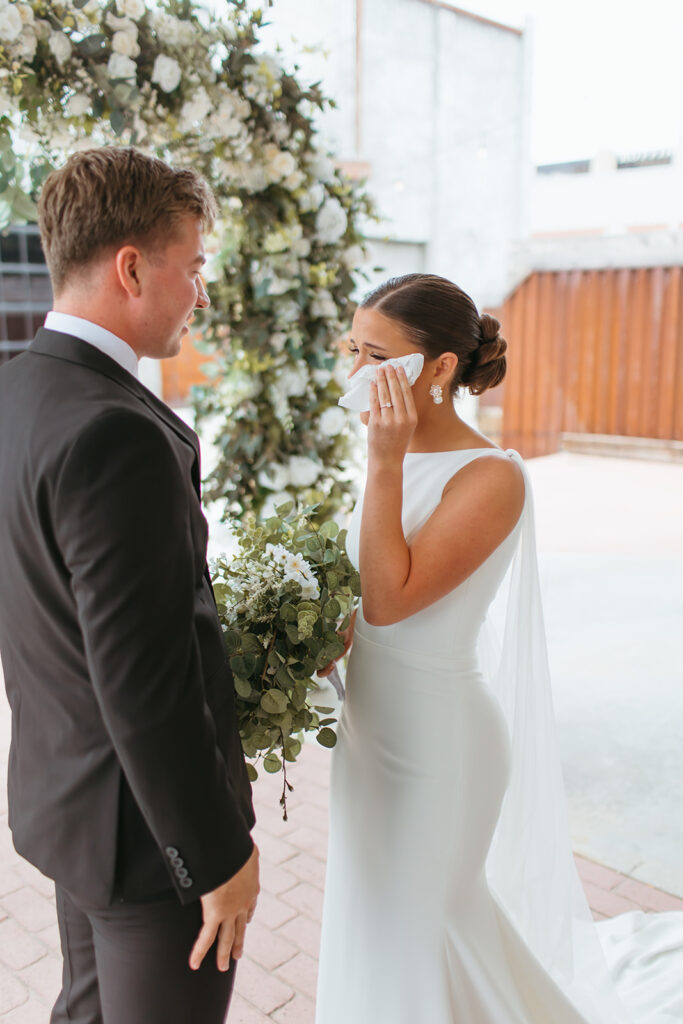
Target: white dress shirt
pixel 113 346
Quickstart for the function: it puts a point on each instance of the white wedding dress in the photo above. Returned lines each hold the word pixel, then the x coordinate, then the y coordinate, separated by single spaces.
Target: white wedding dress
pixel 451 894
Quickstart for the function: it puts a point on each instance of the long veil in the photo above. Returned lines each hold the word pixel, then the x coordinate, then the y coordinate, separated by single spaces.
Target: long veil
pixel 530 866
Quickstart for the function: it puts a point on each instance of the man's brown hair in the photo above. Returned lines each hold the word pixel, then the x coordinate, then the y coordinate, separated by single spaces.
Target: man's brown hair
pixel 112 196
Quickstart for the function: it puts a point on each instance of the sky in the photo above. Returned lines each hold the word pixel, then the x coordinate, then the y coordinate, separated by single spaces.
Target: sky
pixel 606 74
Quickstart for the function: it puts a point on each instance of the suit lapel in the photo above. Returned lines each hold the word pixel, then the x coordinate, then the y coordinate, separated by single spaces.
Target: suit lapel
pixel 75 350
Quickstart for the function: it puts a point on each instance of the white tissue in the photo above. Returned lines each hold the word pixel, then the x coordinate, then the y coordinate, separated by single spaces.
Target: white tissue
pixel 358 395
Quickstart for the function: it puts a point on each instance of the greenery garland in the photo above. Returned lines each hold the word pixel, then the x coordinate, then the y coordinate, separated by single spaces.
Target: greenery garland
pixel 192 87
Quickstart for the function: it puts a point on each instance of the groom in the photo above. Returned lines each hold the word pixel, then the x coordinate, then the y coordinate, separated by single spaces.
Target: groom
pixel 127 784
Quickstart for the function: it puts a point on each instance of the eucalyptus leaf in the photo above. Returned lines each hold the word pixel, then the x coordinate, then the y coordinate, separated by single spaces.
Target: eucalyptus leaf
pixel 327 738
pixel 252 774
pixel 274 702
pixel 272 763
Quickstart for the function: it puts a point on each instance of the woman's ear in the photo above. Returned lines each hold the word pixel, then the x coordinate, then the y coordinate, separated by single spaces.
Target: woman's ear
pixel 445 369
pixel 129 270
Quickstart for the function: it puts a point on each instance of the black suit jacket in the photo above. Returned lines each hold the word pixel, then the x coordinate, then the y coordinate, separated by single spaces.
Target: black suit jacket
pixel 126 773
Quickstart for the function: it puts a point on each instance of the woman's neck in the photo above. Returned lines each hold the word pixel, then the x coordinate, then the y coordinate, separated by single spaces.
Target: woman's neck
pixel 444 432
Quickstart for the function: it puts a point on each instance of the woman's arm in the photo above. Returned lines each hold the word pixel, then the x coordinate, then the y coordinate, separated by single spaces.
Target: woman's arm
pixel 479 508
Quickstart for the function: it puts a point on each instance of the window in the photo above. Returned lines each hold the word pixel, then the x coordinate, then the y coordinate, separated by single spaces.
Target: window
pixel 25 292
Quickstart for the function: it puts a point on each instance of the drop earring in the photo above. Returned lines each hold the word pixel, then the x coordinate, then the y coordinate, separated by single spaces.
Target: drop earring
pixel 436 391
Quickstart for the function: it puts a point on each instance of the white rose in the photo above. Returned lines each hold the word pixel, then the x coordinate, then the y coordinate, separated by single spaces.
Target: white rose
pixel 312 198
pixel 303 471
pixel 26 14
pixel 274 477
pixel 289 312
pixel 332 421
pixel 28 44
pixel 354 257
pixel 273 501
pixel 125 43
pixel 132 8
pixel 321 167
pixel 282 165
pixel 330 222
pixel 119 66
pixel 294 180
pixel 60 47
pixel 302 247
pixel 278 340
pixel 196 109
pixel 166 73
pixel 10 23
pixel 293 380
pixel 78 105
pixel 323 306
pixel 321 377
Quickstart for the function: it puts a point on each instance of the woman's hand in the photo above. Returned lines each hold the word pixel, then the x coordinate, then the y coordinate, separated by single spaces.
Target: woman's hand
pixel 347 637
pixel 393 416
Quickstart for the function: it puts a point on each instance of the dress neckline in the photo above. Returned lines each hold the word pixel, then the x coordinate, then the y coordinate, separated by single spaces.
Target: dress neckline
pixel 454 451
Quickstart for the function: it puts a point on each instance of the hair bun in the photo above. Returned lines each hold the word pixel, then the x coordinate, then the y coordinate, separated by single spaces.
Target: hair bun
pixel 488 365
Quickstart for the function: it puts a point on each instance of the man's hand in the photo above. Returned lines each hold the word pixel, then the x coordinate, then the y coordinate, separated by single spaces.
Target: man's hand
pixel 226 911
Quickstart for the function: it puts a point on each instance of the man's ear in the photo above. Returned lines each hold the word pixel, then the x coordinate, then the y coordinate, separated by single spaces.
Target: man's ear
pixel 129 267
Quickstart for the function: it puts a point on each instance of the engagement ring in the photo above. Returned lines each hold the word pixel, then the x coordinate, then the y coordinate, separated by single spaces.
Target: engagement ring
pixel 387 405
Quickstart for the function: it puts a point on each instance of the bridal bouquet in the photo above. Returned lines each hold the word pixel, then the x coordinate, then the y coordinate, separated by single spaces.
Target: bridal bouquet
pixel 281 601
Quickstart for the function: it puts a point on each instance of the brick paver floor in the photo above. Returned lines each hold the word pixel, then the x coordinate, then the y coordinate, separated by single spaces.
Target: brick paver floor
pixel 276 978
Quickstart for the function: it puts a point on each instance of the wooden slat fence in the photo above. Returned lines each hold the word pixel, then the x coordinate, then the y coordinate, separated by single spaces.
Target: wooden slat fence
pixel 595 352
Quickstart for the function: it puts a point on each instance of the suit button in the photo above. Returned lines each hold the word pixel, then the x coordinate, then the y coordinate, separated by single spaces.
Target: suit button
pixel 177 862
pixel 171 851
pixel 182 872
pixel 186 883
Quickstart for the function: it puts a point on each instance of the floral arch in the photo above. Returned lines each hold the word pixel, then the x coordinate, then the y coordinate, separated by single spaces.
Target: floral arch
pixel 193 87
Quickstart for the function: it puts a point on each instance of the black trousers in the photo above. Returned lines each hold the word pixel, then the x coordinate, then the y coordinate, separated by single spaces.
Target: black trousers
pixel 128 964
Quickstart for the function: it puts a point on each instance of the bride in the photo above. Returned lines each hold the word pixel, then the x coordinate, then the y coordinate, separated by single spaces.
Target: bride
pixel 451 894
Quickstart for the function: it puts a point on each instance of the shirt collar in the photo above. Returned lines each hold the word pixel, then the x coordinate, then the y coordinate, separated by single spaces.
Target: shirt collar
pixel 110 344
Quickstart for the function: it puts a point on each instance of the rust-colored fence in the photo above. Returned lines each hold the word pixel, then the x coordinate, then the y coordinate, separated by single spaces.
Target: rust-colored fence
pixel 593 351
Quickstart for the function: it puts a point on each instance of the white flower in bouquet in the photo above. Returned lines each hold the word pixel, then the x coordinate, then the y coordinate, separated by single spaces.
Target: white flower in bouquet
pixel 293 380
pixel 131 8
pixel 120 66
pixel 332 422
pixel 323 305
pixel 331 221
pixel 321 376
pixel 60 46
pixel 126 43
pixel 278 553
pixel 274 477
pixel 78 105
pixel 166 73
pixel 11 24
pixel 303 471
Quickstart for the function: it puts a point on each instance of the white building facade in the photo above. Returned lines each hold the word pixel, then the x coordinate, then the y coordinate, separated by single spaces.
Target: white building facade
pixel 433 109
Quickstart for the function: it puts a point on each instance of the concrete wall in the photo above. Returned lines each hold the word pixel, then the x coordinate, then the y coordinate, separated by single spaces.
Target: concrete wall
pixel 441 117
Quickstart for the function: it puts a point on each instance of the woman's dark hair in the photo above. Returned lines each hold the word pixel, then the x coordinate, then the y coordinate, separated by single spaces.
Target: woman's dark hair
pixel 439 317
